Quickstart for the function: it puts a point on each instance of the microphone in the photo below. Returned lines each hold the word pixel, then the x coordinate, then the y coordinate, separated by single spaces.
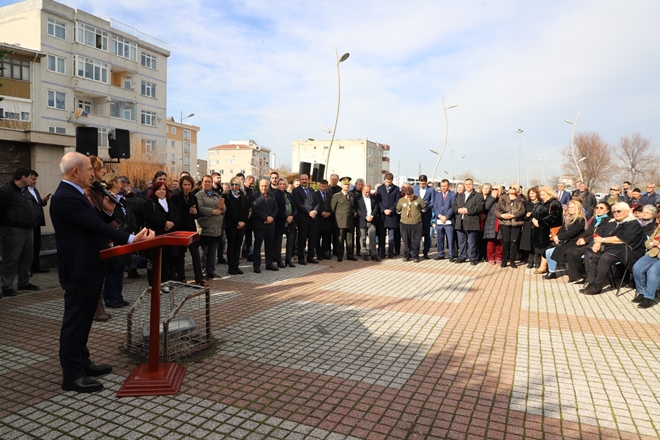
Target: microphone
pixel 102 189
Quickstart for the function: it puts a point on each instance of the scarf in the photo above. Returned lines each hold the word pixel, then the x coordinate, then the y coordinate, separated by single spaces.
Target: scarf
pixel 644 223
pixel 599 218
pixel 235 192
pixel 209 193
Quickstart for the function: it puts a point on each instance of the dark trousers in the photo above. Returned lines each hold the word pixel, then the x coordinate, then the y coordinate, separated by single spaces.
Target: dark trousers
pixel 598 266
pixel 113 287
pixel 277 248
pixel 397 241
pixel 16 256
pixel 467 244
pixel 36 246
pixel 510 241
pixel 344 235
pixel 357 234
pixel 234 240
pixel 209 247
pixel 306 236
pixel 575 262
pixel 80 301
pixel 323 240
pixel 442 231
pixel 426 234
pixel 247 245
pixel 411 235
pixel 265 237
pixel 222 242
pixel 389 232
pixel 196 261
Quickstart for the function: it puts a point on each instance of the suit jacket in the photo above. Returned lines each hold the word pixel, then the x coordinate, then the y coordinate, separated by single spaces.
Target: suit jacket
pixel 324 224
pixel 362 213
pixel 388 201
pixel 429 199
pixel 564 197
pixel 343 208
pixel 261 209
pixel 280 198
pixel 38 207
pixel 443 206
pixel 304 204
pixel 649 199
pixel 80 233
pixel 474 204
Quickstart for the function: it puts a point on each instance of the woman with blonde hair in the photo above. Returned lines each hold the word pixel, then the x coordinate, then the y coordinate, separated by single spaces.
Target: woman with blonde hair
pixel 546 215
pixel 510 211
pixel 570 231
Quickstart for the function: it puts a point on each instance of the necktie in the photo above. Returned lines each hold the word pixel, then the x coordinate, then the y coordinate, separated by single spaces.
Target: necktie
pixel 323 195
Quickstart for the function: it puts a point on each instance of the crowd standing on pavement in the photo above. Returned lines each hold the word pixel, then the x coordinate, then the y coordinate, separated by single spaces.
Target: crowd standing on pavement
pixel 552 231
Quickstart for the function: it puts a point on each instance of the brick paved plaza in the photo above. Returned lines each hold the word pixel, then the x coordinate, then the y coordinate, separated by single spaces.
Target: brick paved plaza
pixel 357 350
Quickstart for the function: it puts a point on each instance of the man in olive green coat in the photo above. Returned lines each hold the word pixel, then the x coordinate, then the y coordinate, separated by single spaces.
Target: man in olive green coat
pixel 343 208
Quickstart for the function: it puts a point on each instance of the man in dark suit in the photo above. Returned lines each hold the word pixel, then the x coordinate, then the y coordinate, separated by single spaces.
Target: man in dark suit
pixel 343 209
pixel 325 222
pixel 562 195
pixel 307 206
pixel 651 197
pixel 38 204
pixel 427 194
pixel 80 233
pixel 264 212
pixel 368 212
pixel 444 220
pixel 388 196
pixel 467 206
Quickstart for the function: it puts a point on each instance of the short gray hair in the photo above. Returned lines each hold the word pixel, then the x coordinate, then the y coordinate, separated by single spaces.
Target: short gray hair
pixel 70 161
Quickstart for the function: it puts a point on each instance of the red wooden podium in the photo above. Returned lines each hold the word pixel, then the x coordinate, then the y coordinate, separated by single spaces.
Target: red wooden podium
pixel 154 378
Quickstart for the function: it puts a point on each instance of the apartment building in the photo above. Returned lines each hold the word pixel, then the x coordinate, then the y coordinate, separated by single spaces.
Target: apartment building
pixel 244 156
pixel 359 158
pixel 95 72
pixel 181 146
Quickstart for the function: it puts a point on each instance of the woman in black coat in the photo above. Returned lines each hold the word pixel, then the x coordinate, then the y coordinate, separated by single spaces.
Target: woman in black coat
pixel 573 227
pixel 526 248
pixel 574 252
pixel 286 210
pixel 236 219
pixel 545 216
pixel 161 215
pixel 186 202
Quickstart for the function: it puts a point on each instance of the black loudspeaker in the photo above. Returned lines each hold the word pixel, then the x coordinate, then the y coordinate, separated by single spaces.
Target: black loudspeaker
pixel 305 168
pixel 120 146
pixel 317 173
pixel 87 140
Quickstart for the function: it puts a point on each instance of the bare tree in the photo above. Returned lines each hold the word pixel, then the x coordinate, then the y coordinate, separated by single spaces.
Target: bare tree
pixel 637 158
pixel 598 163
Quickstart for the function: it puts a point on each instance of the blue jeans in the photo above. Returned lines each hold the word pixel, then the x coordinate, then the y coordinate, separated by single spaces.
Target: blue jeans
pixel 647 276
pixel 552 264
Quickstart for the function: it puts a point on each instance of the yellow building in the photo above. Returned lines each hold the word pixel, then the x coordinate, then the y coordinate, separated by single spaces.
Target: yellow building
pixel 239 157
pixel 181 147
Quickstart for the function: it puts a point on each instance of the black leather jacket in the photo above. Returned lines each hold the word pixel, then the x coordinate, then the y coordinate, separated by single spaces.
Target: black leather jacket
pixel 15 207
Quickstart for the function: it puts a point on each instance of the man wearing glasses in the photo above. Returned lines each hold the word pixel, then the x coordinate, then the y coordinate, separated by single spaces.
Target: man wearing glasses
pixel 614 197
pixel 651 197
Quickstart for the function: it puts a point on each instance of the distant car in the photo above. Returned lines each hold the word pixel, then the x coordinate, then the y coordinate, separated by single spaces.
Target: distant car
pixel 599 196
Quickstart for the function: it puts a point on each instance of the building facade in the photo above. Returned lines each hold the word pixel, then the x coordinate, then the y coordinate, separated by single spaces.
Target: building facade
pixel 360 158
pixel 95 72
pixel 244 156
pixel 181 146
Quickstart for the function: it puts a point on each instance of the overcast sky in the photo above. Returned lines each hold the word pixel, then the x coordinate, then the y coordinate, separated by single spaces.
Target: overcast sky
pixel 265 70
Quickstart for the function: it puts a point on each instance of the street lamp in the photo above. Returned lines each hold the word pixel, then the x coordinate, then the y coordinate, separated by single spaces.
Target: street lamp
pixel 519 131
pixel 573 145
pixel 444 109
pixel 182 140
pixel 334 129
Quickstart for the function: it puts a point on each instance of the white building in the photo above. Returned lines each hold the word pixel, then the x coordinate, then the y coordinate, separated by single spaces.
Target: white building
pixel 360 158
pixel 244 156
pixel 96 72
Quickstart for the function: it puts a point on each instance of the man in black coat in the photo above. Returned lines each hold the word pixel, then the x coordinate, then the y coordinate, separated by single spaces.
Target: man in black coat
pixel 38 204
pixel 325 222
pixel 467 206
pixel 368 210
pixel 264 212
pixel 307 207
pixel 80 233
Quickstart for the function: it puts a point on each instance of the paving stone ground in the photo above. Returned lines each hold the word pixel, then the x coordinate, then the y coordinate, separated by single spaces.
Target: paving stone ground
pixel 357 350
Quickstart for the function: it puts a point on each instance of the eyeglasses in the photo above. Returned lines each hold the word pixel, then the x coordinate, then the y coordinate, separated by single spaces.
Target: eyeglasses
pixel 614 189
pixel 513 187
pixel 600 207
pixel 235 184
pixel 616 211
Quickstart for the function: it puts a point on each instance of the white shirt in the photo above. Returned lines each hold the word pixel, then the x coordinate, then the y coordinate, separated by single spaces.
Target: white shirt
pixel 34 194
pixel 367 203
pixel 422 192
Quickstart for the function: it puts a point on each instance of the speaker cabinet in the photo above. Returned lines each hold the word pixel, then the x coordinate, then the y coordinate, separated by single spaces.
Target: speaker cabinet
pixel 87 140
pixel 120 146
pixel 305 168
pixel 317 172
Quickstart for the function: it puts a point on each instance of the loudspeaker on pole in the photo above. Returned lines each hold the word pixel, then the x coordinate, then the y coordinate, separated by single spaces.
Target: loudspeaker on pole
pixel 304 168
pixel 317 173
pixel 87 140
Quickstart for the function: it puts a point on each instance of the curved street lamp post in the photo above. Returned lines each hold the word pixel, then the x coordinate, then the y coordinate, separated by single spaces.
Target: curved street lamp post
pixel 444 109
pixel 575 160
pixel 334 129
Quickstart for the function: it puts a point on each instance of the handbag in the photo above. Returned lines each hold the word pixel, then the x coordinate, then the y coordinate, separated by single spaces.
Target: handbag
pixel 554 231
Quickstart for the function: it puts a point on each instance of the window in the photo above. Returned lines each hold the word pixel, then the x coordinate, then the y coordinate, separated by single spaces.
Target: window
pixel 221 171
pixel 90 69
pixel 148 89
pixel 86 106
pixel 173 157
pixel 233 161
pixel 148 118
pixel 148 146
pixel 173 144
pixel 56 100
pixel 186 160
pixel 123 110
pixel 148 60
pixel 123 48
pixel 58 130
pixel 173 130
pixel 25 116
pixel 12 115
pixel 186 147
pixel 15 69
pixel 57 29
pixel 91 36
pixel 103 137
pixel 127 83
pixel 186 135
pixel 56 64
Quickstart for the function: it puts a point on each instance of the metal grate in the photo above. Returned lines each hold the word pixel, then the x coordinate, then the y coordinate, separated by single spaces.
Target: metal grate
pixel 185 321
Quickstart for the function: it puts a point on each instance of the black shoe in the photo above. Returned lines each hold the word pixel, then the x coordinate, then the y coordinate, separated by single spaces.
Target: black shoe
pixel 459 261
pixel 550 276
pixel 319 256
pixel 239 272
pixel 391 257
pixel 513 265
pixel 593 289
pixel 530 264
pixel 301 262
pixel 125 303
pixel 352 258
pixel 638 298
pixel 474 262
pixel 339 260
pixel 112 306
pixel 582 281
pixel 39 270
pixel 375 258
pixel 273 268
pixel 28 286
pixel 232 272
pixel 222 261
pixel 133 273
pixel 288 263
pixel 281 265
pixel 416 259
pixel 646 303
pixel 406 259
pixel 426 257
pixel 439 257
pixel 452 259
pixel 503 263
pixel 312 260
pixel 98 370
pixel 249 258
pixel 365 257
pixel 83 385
pixel 9 292
pixel 257 270
pixel 586 284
